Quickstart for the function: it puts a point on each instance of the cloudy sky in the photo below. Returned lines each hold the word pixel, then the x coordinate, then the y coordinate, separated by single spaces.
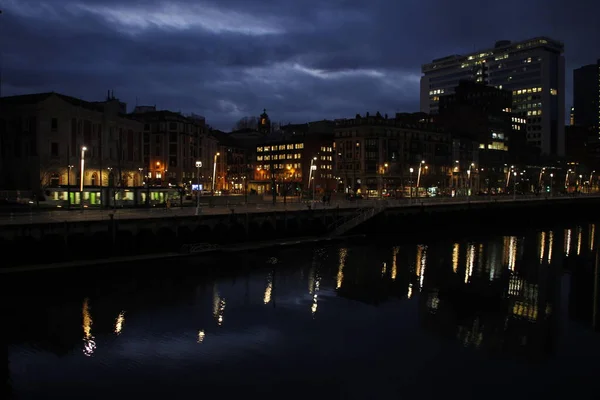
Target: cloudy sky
pixel 300 59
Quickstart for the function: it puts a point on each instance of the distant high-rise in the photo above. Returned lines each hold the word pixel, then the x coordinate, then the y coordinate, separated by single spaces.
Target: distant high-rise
pixel 586 88
pixel 534 70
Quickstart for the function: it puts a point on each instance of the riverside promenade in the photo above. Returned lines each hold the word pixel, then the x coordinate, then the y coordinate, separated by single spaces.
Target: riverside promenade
pixel 35 216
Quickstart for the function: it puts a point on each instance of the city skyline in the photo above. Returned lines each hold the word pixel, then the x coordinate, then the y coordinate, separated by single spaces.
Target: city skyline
pixel 230 59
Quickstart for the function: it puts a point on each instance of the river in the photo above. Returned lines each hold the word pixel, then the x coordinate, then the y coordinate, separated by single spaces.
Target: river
pixel 501 316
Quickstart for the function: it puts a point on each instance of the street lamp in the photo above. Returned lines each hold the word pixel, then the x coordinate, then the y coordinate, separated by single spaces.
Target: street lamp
pixel 469 174
pixel 540 179
pixel 69 167
pixel 590 183
pixel 198 166
pixel 551 181
pixel 515 185
pixel 83 150
pixel 567 179
pixel 311 175
pixel 419 176
pixel 411 170
pixel 214 172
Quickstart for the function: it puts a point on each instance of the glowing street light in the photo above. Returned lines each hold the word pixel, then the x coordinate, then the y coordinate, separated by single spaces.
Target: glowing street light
pixel 214 172
pixel 198 166
pixel 411 170
pixel 83 150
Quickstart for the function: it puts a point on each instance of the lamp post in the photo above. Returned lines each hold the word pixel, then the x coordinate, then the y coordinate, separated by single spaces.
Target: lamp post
pixel 111 187
pixel 198 166
pixel 411 170
pixel 515 185
pixel 69 167
pixel 419 177
pixel 83 150
pixel 551 181
pixel 590 182
pixel 311 178
pixel 567 180
pixel 214 172
pixel 540 179
pixel 469 175
pixel 245 189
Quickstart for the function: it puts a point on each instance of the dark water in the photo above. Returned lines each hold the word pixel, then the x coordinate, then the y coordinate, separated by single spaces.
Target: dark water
pixel 505 317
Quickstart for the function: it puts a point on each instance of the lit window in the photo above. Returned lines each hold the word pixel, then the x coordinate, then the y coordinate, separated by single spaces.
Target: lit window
pixel 553 92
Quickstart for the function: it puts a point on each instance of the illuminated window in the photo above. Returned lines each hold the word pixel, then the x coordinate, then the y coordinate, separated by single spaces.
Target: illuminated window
pixel 263 121
pixel 259 149
pixel 553 92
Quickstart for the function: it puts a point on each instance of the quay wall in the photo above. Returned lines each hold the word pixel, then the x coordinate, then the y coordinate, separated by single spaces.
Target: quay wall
pixel 39 243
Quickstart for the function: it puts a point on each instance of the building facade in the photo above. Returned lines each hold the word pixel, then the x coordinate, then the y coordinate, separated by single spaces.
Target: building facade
pixel 172 143
pixel 534 70
pixel 296 160
pixel 233 167
pixel 377 155
pixel 44 135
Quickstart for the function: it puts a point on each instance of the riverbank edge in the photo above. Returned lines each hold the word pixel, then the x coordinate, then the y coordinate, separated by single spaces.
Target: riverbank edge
pixel 234 248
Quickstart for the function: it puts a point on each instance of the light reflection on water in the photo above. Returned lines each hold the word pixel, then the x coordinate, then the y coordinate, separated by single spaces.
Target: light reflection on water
pixel 346 312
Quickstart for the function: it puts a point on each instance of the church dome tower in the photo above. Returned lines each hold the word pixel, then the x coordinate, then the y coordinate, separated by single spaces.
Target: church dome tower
pixel 264 123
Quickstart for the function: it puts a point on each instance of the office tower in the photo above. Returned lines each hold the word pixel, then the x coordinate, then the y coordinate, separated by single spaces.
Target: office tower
pixel 534 70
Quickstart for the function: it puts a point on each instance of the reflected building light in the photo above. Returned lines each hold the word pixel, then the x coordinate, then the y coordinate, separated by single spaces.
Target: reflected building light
pixel 119 323
pixel 268 289
pixel 592 235
pixel 394 272
pixel 480 258
pixel 433 302
pixel 201 336
pixel 216 301
pixel 218 305
pixel 493 259
pixel 423 265
pixel 383 268
pixel 550 245
pixel 506 251
pixel 89 344
pixel 470 261
pixel 579 237
pixel 525 310
pixel 343 254
pixel 542 246
pixel 567 242
pixel 455 255
pixel 221 312
pixel 315 299
pixel 418 263
pixel 514 285
pixel 410 291
pixel 311 279
pixel 512 253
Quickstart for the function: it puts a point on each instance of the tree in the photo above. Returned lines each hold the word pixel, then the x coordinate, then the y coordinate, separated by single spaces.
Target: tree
pixel 246 123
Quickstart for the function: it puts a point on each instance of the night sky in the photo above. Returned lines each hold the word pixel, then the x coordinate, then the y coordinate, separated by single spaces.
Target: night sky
pixel 302 60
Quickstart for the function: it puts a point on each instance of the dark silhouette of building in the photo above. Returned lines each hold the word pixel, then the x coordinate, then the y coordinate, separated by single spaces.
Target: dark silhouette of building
pixel 586 95
pixel 484 128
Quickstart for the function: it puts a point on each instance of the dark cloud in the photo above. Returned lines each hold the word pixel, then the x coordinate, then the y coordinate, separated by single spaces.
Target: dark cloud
pixel 301 60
